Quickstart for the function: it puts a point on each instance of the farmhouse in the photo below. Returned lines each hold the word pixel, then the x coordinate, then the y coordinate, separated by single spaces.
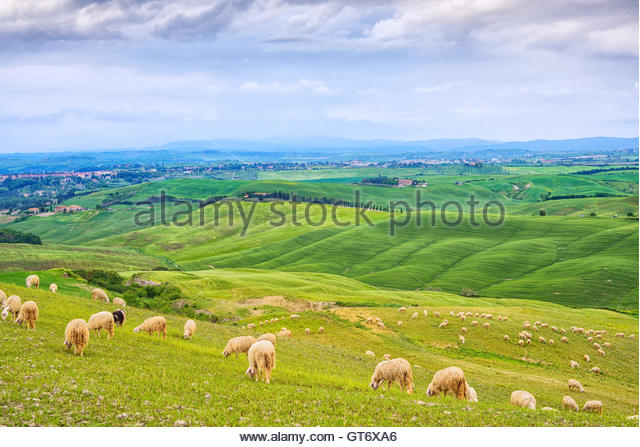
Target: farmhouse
pixel 68 209
pixel 402 182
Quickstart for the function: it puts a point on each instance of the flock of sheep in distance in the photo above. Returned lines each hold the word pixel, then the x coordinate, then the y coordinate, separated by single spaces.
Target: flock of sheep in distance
pixel 261 352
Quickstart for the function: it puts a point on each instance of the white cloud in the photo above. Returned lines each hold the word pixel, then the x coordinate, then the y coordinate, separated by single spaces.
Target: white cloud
pixel 434 88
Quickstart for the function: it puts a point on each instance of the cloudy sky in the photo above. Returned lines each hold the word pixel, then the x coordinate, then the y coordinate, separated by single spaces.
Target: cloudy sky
pixel 86 74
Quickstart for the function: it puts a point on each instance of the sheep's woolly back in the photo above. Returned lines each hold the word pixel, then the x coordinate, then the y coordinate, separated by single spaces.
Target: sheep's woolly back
pixel 446 380
pixel 53 287
pixel 33 281
pixel 592 405
pixel 524 399
pixel 262 359
pixel 189 328
pixel 119 302
pixel 154 324
pixel 29 314
pixel 396 370
pixel 77 335
pixel 238 345
pixel 269 337
pixel 569 403
pixel 3 298
pixel 102 320
pixel 99 295
pixel 12 306
pixel 471 395
pixel 575 385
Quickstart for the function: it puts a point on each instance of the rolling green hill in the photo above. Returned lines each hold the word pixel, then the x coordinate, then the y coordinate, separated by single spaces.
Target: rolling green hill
pixel 319 379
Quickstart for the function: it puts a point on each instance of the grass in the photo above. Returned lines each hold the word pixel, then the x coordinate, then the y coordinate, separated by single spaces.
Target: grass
pixel 320 379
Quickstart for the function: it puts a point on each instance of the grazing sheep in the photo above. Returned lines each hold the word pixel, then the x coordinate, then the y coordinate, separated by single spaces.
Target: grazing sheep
pixel 369 320
pixel 506 337
pixel 238 345
pixel 387 356
pixel 29 314
pixel 499 317
pixel 3 298
pixel 589 339
pixel 307 331
pixel 505 318
pixel 102 320
pixel 99 294
pixel 602 353
pixel 471 394
pixel 463 330
pixel 426 314
pixel 541 339
pixel 53 287
pixel 402 309
pixel 415 315
pixel 537 323
pixel 597 346
pixel 436 314
pixel 321 330
pixel 119 302
pixel 294 316
pixel 595 370
pixel 551 342
pixel 396 370
pixel 587 358
pixel 153 324
pixel 251 326
pixel 380 324
pixel 526 325
pixel 189 329
pixel 378 320
pixel 76 334
pixel 463 318
pixel 544 325
pixel 528 341
pixel 483 315
pixel 399 323
pixel 563 331
pixel 489 317
pixel 370 353
pixel 632 336
pixel 599 336
pixel 284 332
pixel 461 338
pixel 444 324
pixel 452 313
pixel 486 325
pixel 269 337
pixel 450 379
pixel 620 335
pixel 261 323
pixel 564 340
pixel 575 385
pixel 523 399
pixel 570 404
pixel 477 315
pixel 262 359
pixel 593 405
pixel 573 364
pixel 521 343
pixel 119 317
pixel 606 344
pixel 33 281
pixel 12 306
pixel 554 329
pixel 474 323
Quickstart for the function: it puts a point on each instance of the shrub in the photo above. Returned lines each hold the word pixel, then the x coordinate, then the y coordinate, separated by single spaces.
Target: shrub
pixel 9 236
pixel 468 292
pixel 543 212
pixel 593 214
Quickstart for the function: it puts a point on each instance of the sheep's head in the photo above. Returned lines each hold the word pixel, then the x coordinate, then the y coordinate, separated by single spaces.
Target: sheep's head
pixel 430 390
pixel 250 372
pixel 136 330
pixel 225 353
pixel 374 384
pixel 67 344
pixel 5 312
pixel 19 321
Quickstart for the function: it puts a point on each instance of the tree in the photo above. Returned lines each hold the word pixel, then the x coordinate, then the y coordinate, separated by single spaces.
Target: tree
pixel 543 212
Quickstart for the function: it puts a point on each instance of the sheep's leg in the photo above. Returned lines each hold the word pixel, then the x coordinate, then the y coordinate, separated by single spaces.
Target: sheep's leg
pixel 236 355
pixel 388 385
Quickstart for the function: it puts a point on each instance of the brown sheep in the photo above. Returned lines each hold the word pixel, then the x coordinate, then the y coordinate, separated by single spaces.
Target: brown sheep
pixel 76 334
pixel 446 380
pixel 29 314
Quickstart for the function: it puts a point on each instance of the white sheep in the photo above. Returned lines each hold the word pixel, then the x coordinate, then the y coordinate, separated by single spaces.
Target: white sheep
pixel 284 332
pixel 12 306
pixel 521 343
pixel 506 337
pixel 238 345
pixel 99 294
pixel 564 340
pixel 620 335
pixel 444 324
pixel 387 356
pixel 595 370
pixel 461 338
pixel 436 314
pixel 189 328
pixel 602 353
pixel 119 302
pixel 474 323
pixel 486 325
pixel 269 337
pixel 471 394
pixel 399 323
pixel 587 358
pixel 262 359
pixel 154 324
pixel 396 370
pixel 573 384
pixel 523 399
pixel 307 331
pixel 102 320
pixel 426 314
pixel 574 364
pixel 3 298
pixel 251 326
pixel 321 330
pixel 446 380
pixel 77 334
pixel 33 281
pixel 606 344
pixel 542 340
pixel 370 353
pixel 551 342
pixel 53 287
pixel 593 406
pixel 415 315
pixel 29 314
pixel 463 330
pixel 294 316
pixel 402 309
pixel 570 404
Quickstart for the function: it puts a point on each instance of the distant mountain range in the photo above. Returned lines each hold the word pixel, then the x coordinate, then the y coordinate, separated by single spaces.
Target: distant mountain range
pixel 327 149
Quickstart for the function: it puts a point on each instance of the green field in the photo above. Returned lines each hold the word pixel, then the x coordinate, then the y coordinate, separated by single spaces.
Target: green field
pixel 575 266
pixel 320 379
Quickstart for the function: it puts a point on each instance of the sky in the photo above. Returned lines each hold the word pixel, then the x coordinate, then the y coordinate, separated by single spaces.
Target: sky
pixel 85 75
